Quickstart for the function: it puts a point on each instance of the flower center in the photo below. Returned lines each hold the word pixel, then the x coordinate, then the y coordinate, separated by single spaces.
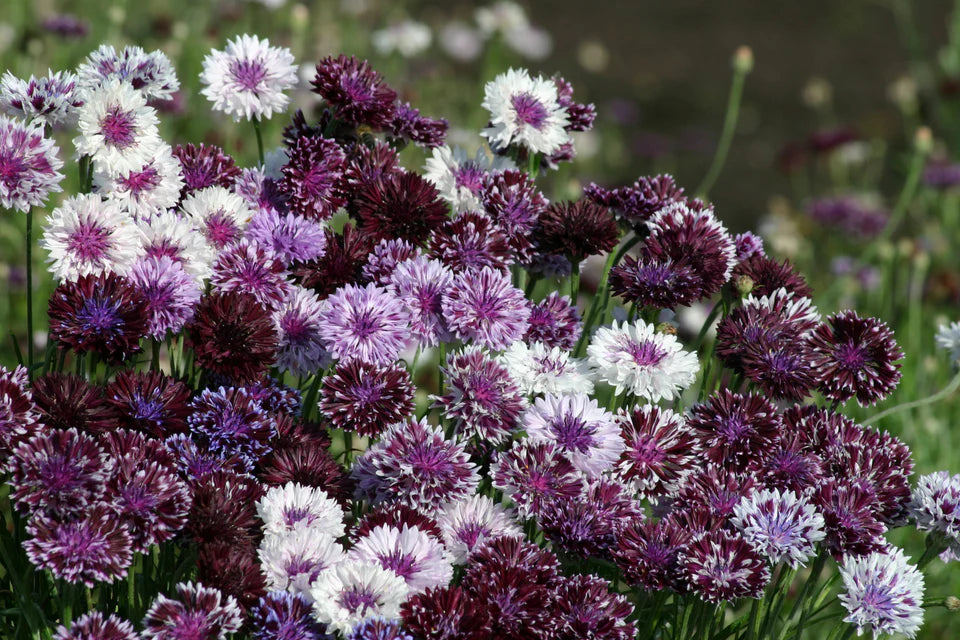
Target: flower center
pixel 141 181
pixel 118 128
pixel 249 74
pixel 572 433
pixel 357 600
pixel 851 356
pixel 89 242
pixel 529 110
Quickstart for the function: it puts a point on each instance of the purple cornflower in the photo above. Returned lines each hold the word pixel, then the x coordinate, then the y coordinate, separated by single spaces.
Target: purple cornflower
pixel 408 124
pixel 580 116
pixel 232 335
pixel 942 175
pixel 511 199
pixel 379 629
pixel 748 245
pixel 651 283
pixel 58 471
pixel 849 522
pixel 576 230
pixel 198 611
pixel 723 567
pixel 734 430
pixel 247 268
pixel 660 451
pixel 300 348
pixel 385 257
pixel 231 422
pixel 444 613
pixel 768 275
pixel 534 473
pixel 554 321
pixel 882 592
pixel 170 293
pixel 341 264
pixel 588 525
pixel 287 238
pixel 151 74
pixel 364 323
pixel 849 215
pixel 18 413
pixel 150 402
pixel 415 465
pixel 29 165
pixel 66 25
pixel 584 607
pixel 483 306
pixel 781 526
pixel 312 177
pixel 281 615
pixel 413 554
pixel 400 205
pixel 420 283
pixel 854 356
pixel 715 490
pixel 471 241
pixel 935 505
pixel 96 626
pixel 93 548
pixel 577 425
pixel 260 192
pixel 364 398
pixel 638 202
pixel 205 166
pixel 482 398
pixel 51 99
pixel 356 93
pixel 650 554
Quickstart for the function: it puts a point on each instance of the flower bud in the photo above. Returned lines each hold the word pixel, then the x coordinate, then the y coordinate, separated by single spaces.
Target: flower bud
pixel 666 328
pixel 744 285
pixel 743 59
pixel 923 140
pixel 952 603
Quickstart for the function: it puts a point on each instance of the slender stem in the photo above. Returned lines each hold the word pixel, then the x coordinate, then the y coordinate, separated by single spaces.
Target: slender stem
pixel 257 128
pixel 30 292
pixel 155 355
pixel 574 279
pixel 729 128
pixel 944 393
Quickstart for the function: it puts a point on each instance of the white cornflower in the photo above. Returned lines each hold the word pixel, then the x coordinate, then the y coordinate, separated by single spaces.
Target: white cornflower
pixel 948 339
pixel 525 111
pixel 538 369
pixel 883 593
pixel 51 99
pixel 467 524
pixel 408 38
pixel 294 506
pixel 409 552
pixel 935 505
pixel 155 185
pixel 117 128
pixel 292 560
pixel 530 42
pixel 166 233
pixel 151 74
pixel 218 213
pixel 780 526
pixel 351 592
pixel 461 41
pixel 249 78
pixel 501 16
pixel 588 434
pixel 637 359
pixel 86 235
pixel 460 179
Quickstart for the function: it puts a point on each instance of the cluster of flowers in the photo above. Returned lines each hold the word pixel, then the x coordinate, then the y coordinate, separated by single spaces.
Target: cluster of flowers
pixel 470 502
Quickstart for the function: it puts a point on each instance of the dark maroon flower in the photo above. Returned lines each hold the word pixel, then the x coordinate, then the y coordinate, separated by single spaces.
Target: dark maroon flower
pixel 445 613
pixel 827 140
pixel 232 335
pixel 722 566
pixel 660 451
pixel 587 526
pixel 650 283
pixel 356 93
pixel 734 430
pixel 205 166
pixel 232 423
pixel 716 490
pixel 365 398
pixel 534 474
pixel 198 612
pixel 768 275
pixel 150 402
pixel 96 626
pixel 310 465
pixel 849 521
pixel 789 465
pixel 649 554
pixel 343 263
pixel 18 414
pixel 92 548
pixel 642 199
pixel 312 176
pixel 584 607
pixel 512 201
pixel 281 615
pixel 854 356
pixel 299 127
pixel 366 165
pixel 471 241
pixel 234 570
pixel 576 229
pixel 59 471
pixel 102 314
pixel 224 509
pixel 748 245
pixel 385 257
pixel 400 205
pixel 396 515
pixel 408 124
pixel 554 321
pixel 580 116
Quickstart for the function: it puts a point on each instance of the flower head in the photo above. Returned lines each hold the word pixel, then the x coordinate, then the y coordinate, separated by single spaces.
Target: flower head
pixel 538 369
pixel 150 402
pixel 202 612
pixel 781 526
pixel 351 592
pixel 294 506
pixel 471 241
pixel 292 560
pixel 459 179
pixel 660 451
pixel 52 98
pixel 467 524
pixel 535 472
pixel 420 283
pixel 400 205
pixel 414 555
pixel 364 323
pixel 883 593
pixel 19 417
pixel 355 91
pixel 576 424
pixel 576 229
pixel 526 112
pixel 735 430
pixel 29 166
pixel 246 267
pixel 300 346
pixel 722 567
pixel 280 615
pixel 948 339
pixel 170 293
pixel 96 626
pixel 233 335
pixel 221 215
pixel 554 321
pixel 364 398
pixel 249 78
pixel 117 128
pixel 151 74
pixel 173 236
pixel 312 177
pixel 639 201
pixel 155 186
pixel 287 238
pixel 205 166
pixel 231 422
pixel 936 505
pixel 485 307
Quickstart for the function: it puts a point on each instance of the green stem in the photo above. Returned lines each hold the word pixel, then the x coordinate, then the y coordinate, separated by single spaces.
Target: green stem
pixel 30 292
pixel 598 306
pixel 815 572
pixel 944 393
pixel 574 279
pixel 257 129
pixel 729 128
pixel 155 355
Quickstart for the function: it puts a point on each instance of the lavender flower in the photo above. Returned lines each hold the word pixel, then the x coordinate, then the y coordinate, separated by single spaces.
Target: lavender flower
pixel 577 425
pixel 364 323
pixel 170 293
pixel 287 238
pixel 484 307
pixel 18 414
pixel 300 347
pixel 781 526
pixel 420 283
pixel 386 256
pixel 280 615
